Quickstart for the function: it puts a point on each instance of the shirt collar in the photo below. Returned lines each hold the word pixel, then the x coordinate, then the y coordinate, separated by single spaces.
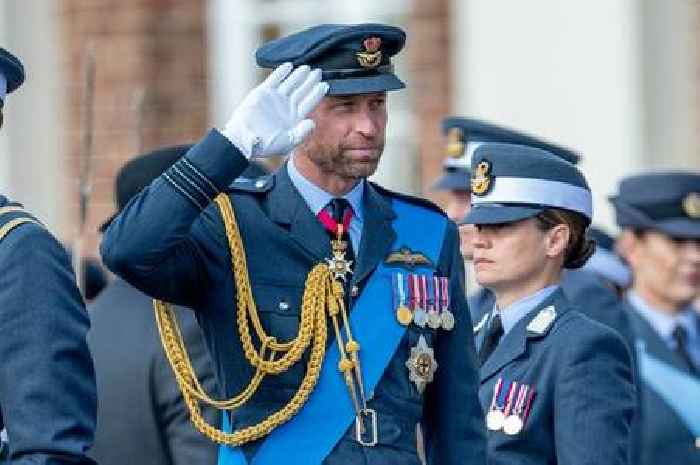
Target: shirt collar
pixel 663 322
pixel 317 199
pixel 511 315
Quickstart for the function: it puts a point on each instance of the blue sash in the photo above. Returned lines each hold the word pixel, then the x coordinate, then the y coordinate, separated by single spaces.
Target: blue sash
pixel 678 389
pixel 329 409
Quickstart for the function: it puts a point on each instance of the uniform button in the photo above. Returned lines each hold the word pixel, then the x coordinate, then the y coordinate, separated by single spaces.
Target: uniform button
pixel 260 183
pixel 354 291
pixel 284 306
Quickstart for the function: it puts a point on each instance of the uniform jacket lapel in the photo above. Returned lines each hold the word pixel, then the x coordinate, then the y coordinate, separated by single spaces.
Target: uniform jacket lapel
pixel 377 234
pixel 653 344
pixel 288 209
pixel 514 344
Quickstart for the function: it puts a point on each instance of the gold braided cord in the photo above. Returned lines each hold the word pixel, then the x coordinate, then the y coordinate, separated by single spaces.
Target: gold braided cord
pixel 320 298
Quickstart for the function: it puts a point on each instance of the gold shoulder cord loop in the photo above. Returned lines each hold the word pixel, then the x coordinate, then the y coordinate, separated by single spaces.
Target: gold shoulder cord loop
pixel 317 300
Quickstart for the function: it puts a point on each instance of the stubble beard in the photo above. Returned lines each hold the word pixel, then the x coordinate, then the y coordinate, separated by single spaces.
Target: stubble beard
pixel 331 159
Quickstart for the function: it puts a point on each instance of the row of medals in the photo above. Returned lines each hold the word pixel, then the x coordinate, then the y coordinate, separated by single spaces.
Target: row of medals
pixel 510 417
pixel 417 313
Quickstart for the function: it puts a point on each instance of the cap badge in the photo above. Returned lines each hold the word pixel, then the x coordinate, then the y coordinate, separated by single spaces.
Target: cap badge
pixel 371 56
pixel 455 143
pixel 691 205
pixel 481 181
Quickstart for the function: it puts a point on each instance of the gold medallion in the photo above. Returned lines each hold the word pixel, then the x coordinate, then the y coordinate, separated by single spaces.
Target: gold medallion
pixel 455 143
pixel 691 205
pixel 404 315
pixel 481 181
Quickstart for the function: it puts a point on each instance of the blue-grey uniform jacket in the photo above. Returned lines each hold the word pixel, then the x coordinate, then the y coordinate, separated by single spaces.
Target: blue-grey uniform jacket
pixel 47 383
pixel 664 437
pixel 582 376
pixel 170 242
pixel 141 408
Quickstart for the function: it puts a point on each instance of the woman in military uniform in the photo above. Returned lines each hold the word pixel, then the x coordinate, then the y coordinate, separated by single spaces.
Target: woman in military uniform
pixel 556 387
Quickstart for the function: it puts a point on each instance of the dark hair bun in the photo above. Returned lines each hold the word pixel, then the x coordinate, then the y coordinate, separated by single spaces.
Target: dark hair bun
pixel 580 255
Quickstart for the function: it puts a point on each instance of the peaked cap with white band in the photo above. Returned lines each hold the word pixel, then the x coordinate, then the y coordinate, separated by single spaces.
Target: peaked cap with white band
pixel 514 182
pixel 11 73
pixel 668 202
pixel 464 135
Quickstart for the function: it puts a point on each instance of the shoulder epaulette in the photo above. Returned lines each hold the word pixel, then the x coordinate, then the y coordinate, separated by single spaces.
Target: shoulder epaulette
pixel 409 198
pixel 13 215
pixel 252 185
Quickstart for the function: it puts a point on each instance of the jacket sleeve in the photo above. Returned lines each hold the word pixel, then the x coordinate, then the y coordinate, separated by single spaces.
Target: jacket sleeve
pixel 594 401
pixel 455 431
pixel 153 243
pixel 184 443
pixel 47 385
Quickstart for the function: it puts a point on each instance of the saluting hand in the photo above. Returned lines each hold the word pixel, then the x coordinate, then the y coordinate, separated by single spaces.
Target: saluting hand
pixel 271 120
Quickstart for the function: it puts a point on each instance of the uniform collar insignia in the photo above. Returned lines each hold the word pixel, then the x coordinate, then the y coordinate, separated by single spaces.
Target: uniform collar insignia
pixel 481 323
pixel 542 321
pixel 405 257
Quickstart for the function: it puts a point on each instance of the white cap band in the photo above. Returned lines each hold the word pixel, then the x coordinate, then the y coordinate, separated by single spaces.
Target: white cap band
pixel 465 161
pixel 3 87
pixel 539 192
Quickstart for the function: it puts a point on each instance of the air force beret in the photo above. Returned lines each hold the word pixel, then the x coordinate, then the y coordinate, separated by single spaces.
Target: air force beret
pixel 354 59
pixel 514 182
pixel 11 73
pixel 666 202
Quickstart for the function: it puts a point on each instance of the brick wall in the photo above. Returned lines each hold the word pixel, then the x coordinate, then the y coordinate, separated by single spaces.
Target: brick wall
pixel 432 82
pixel 151 47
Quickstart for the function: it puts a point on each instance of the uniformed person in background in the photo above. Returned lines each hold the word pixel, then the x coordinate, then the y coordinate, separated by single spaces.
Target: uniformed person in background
pixel 659 215
pixel 556 386
pixel 584 287
pixel 314 255
pixel 463 136
pixel 141 408
pixel 47 384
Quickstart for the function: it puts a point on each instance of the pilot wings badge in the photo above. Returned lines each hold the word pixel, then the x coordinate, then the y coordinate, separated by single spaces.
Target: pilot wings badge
pixel 406 258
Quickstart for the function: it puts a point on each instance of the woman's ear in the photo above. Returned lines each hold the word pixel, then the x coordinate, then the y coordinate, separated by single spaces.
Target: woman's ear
pixel 557 240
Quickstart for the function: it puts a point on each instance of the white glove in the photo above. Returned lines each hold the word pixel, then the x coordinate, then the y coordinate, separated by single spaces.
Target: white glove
pixel 271 118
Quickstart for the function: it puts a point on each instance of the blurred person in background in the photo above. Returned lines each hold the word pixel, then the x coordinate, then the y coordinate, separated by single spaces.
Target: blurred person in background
pixel 659 214
pixel 47 384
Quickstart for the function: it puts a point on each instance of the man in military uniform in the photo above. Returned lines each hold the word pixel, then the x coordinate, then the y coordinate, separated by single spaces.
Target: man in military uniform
pixel 659 215
pixel 47 384
pixel 373 280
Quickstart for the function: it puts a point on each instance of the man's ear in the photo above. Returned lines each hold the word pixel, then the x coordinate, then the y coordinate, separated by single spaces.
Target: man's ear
pixel 557 240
